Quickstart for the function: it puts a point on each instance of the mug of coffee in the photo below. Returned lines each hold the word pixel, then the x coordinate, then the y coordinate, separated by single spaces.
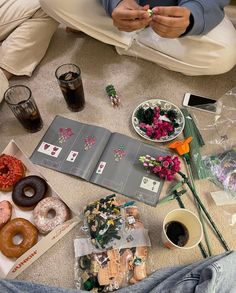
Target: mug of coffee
pixel 181 229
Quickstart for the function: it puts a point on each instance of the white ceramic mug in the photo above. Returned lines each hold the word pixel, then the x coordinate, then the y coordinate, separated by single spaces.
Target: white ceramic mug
pixel 190 221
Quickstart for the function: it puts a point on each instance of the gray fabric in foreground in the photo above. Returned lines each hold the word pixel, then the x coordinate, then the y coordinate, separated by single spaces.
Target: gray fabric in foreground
pixel 214 274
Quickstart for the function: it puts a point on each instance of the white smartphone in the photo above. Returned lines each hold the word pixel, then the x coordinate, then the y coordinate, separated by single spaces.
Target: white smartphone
pixel 201 103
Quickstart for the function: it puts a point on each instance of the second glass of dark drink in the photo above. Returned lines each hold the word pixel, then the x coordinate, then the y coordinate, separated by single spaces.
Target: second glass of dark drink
pixel 70 82
pixel 20 100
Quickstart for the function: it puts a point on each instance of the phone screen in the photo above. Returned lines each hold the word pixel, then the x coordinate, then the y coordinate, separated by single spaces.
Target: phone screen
pixel 202 103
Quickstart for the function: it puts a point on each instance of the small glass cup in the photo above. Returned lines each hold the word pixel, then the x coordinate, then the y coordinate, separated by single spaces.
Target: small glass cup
pixel 20 100
pixel 70 82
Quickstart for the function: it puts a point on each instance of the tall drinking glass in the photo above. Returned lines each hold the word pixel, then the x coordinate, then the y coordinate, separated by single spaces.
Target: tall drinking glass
pixel 20 100
pixel 70 82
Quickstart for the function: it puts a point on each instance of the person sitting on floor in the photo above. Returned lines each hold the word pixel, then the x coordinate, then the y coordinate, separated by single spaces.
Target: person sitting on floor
pixel 25 33
pixel 194 37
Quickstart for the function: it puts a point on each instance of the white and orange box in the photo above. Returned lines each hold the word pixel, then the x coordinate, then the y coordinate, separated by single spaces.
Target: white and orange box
pixel 11 268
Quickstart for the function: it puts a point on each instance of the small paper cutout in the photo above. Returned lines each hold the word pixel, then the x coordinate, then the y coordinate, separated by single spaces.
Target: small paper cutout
pixel 150 184
pixel 49 149
pixel 72 156
pixel 101 167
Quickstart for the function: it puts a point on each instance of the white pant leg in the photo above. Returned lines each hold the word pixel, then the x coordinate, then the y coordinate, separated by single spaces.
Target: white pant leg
pixel 26 32
pixel 89 17
pixel 213 53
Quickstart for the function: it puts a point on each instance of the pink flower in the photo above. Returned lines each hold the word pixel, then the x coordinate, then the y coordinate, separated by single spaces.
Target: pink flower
pixel 142 125
pixel 169 177
pixel 159 158
pixel 156 169
pixel 165 164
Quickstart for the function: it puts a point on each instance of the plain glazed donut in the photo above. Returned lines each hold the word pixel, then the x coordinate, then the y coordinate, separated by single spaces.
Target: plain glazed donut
pixel 5 212
pixel 37 184
pixel 42 221
pixel 11 170
pixel 17 226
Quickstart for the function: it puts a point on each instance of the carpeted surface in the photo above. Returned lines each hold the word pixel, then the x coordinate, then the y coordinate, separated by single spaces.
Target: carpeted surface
pixel 135 81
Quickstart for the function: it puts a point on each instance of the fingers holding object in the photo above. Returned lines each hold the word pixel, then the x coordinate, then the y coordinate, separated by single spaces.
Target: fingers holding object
pixel 130 25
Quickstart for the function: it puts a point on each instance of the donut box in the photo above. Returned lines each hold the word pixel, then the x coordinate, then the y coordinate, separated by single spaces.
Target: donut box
pixel 11 267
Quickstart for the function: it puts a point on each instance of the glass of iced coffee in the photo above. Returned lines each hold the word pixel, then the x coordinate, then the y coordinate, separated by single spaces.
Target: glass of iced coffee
pixel 70 82
pixel 20 100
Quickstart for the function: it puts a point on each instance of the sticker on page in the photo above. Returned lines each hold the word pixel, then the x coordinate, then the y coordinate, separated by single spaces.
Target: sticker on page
pixel 49 149
pixel 150 184
pixel 101 167
pixel 72 156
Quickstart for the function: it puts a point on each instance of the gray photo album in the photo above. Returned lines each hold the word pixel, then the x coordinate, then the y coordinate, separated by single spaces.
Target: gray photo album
pixel 99 156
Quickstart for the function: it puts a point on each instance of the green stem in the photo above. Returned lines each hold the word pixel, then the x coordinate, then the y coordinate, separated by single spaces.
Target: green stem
pixel 200 245
pixel 199 209
pixel 216 230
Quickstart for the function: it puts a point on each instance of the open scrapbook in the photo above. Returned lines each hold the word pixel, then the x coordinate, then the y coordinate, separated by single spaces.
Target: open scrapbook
pixel 99 156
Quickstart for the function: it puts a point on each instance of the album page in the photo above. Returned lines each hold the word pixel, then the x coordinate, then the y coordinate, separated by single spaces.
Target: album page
pixel 71 147
pixel 120 170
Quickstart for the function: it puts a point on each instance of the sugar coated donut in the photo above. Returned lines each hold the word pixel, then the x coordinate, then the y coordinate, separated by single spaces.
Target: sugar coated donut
pixel 5 212
pixel 41 214
pixel 35 183
pixel 11 170
pixel 17 226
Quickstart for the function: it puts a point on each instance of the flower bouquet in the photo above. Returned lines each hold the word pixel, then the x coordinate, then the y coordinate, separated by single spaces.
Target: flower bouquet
pixel 164 167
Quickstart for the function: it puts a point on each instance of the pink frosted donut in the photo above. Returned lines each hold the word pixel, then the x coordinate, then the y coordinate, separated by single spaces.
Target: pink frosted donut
pixel 5 212
pixel 42 219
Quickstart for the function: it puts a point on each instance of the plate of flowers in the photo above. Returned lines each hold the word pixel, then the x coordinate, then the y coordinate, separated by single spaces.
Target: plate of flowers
pixel 158 120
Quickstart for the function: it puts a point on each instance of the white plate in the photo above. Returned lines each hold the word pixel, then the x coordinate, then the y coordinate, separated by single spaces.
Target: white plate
pixel 164 105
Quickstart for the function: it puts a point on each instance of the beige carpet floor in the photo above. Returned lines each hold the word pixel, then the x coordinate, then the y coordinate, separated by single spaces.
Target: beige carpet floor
pixel 135 81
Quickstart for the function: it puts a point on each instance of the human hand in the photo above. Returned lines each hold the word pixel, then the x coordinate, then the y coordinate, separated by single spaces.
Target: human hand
pixel 128 16
pixel 170 21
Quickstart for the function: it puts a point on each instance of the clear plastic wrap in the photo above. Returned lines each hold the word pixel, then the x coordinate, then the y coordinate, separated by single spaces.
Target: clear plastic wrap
pixel 219 135
pixel 111 251
pixel 229 214
pixel 218 130
pixel 112 269
pixel 222 169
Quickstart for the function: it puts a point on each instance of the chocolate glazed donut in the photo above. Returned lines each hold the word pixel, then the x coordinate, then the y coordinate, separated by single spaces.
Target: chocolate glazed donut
pixel 33 182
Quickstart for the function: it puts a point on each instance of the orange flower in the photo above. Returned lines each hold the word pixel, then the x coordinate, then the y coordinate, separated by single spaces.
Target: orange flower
pixel 181 146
